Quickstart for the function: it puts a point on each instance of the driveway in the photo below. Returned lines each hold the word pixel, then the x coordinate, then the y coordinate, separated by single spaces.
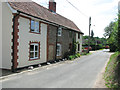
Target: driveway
pixel 81 73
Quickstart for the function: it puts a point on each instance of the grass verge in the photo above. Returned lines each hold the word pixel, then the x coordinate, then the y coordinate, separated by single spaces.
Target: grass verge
pixel 112 71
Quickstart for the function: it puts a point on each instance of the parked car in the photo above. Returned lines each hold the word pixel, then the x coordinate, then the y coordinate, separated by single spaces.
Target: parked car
pixel 86 47
pixel 107 47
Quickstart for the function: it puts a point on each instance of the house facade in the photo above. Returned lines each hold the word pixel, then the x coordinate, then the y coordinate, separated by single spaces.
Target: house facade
pixel 32 34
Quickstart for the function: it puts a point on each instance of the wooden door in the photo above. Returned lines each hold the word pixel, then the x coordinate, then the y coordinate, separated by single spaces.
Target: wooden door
pixel 51 53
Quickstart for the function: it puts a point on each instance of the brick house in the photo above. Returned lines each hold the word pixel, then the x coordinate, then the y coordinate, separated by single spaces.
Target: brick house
pixel 33 34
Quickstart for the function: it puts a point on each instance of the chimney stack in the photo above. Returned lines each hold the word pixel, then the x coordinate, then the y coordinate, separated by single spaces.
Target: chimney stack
pixel 52 6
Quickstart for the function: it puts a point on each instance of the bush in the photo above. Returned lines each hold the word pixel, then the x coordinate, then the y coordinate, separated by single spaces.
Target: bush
pixel 78 54
pixel 71 57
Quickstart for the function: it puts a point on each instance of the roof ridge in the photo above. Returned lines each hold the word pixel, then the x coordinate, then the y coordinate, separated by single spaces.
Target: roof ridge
pixel 52 12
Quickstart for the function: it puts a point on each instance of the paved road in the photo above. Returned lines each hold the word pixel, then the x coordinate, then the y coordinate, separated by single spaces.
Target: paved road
pixel 80 73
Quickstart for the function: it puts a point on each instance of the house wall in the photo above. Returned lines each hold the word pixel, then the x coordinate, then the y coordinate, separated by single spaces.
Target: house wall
pixel 64 40
pixel 80 42
pixel 52 41
pixel 6 36
pixel 24 39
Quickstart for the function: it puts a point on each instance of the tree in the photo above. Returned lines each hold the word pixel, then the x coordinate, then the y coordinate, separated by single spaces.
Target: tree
pixel 112 40
pixel 113 33
pixel 119 31
pixel 92 34
pixel 108 30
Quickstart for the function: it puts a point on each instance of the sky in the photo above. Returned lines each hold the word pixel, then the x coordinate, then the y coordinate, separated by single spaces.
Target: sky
pixel 102 12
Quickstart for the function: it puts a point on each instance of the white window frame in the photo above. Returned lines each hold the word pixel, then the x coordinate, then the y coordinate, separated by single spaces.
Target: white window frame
pixel 59 50
pixel 34 51
pixel 59 31
pixel 35 30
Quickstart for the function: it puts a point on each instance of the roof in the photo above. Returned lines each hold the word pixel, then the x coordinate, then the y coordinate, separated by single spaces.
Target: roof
pixel 39 11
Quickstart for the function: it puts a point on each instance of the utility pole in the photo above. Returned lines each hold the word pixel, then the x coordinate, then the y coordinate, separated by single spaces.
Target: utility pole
pixel 89 34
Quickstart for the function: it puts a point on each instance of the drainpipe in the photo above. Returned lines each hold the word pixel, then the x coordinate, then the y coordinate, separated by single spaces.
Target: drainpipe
pixel 13 63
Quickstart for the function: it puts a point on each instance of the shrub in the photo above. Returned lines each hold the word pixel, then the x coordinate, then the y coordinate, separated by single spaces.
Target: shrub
pixel 78 54
pixel 70 57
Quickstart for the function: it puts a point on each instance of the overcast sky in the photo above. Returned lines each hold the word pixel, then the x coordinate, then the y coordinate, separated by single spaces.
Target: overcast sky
pixel 102 12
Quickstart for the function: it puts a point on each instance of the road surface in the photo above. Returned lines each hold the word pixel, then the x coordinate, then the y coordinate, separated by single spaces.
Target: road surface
pixel 81 73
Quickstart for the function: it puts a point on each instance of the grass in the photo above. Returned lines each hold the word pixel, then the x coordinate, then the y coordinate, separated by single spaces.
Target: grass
pixel 85 54
pixel 112 71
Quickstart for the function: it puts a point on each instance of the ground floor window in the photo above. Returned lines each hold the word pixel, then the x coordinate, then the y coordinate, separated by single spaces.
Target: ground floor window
pixel 58 49
pixel 34 50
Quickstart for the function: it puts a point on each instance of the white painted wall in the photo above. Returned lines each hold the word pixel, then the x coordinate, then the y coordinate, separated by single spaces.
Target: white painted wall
pixel 25 37
pixel 6 36
pixel 80 42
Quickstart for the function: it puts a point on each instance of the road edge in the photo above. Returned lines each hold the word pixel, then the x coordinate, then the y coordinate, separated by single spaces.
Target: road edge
pixel 100 80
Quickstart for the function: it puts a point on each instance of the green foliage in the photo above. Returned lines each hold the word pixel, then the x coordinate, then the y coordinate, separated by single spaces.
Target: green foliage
pixel 111 75
pixel 118 44
pixel 112 40
pixel 71 57
pixel 95 42
pixel 108 30
pixel 78 54
pixel 113 33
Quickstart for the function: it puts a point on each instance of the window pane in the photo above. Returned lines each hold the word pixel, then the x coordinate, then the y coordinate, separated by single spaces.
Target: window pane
pixel 36 54
pixel 31 47
pixel 58 47
pixel 36 48
pixel 58 53
pixel 31 54
pixel 36 26
pixel 32 25
pixel 59 31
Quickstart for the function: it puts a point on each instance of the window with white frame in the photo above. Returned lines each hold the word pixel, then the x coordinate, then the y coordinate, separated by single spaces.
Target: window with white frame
pixel 34 51
pixel 59 31
pixel 35 26
pixel 58 49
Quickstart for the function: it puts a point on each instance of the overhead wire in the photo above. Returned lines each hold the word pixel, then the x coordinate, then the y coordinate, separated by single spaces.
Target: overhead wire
pixel 77 9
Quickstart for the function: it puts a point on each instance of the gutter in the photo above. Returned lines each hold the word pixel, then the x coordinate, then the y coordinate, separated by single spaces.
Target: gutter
pixel 13 63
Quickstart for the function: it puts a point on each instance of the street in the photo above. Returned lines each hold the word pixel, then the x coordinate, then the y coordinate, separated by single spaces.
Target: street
pixel 80 73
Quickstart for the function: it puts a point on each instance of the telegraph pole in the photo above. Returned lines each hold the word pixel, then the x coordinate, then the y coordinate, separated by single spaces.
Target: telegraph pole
pixel 89 34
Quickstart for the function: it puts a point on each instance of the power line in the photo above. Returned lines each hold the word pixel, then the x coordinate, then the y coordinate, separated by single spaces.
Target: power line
pixel 77 9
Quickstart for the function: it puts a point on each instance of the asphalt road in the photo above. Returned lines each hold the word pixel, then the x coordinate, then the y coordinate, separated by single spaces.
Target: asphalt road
pixel 81 73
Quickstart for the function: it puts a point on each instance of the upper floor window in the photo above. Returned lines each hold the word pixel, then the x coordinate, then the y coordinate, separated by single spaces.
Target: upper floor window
pixel 78 36
pixel 35 26
pixel 59 31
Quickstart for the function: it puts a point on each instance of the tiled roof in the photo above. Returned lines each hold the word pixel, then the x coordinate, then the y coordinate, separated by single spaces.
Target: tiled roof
pixel 39 11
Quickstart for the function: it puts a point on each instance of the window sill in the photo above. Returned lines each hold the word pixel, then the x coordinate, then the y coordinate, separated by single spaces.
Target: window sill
pixel 34 59
pixel 35 32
